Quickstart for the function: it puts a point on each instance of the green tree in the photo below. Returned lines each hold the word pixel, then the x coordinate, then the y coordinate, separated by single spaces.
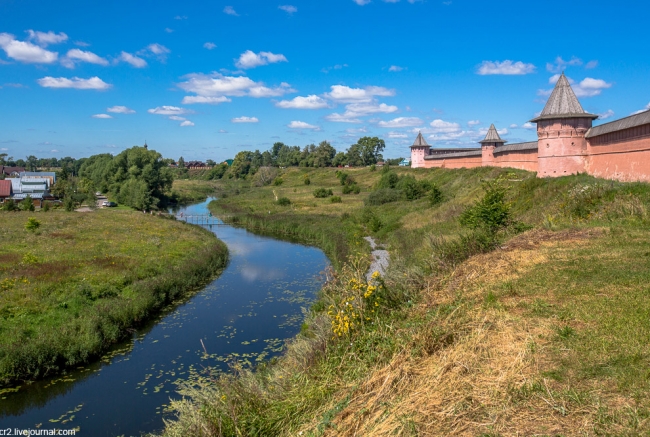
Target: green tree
pixel 32 163
pixel 323 155
pixel 370 149
pixel 2 158
pixel 27 204
pixel 181 162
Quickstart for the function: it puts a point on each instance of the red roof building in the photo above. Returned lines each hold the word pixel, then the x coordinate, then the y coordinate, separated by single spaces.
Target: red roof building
pixel 5 189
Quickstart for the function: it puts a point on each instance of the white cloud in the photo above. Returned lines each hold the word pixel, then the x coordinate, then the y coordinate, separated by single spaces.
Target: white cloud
pixel 187 123
pixel 120 110
pixel 342 118
pixel 401 122
pixel 607 114
pixel 101 116
pixel 82 56
pixel 244 120
pixel 302 125
pixel 473 122
pixel 342 93
pixel 93 83
pixel 25 51
pixel 395 68
pixel 288 9
pixel 309 102
pixel 591 64
pixel 189 100
pixel 180 17
pixel 168 110
pixel 168 30
pixel 250 59
pixel 54 151
pixel 230 11
pixel 176 118
pixel 335 67
pixel 218 85
pixel 210 45
pixel 505 67
pixel 441 126
pixel 363 108
pixel 361 2
pixel 528 125
pixel 560 64
pixel 397 135
pixel 45 38
pixel 158 49
pixel 513 126
pixel 133 60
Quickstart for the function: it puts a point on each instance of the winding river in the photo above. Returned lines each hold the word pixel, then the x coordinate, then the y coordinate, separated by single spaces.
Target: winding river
pixel 245 314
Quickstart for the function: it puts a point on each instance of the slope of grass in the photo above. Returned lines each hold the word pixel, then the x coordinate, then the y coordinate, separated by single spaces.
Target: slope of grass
pixel 546 335
pixel 76 284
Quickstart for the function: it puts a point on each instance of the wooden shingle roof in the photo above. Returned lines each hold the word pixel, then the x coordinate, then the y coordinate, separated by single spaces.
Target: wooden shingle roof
pixel 563 103
pixel 492 136
pixel 420 141
pixel 616 125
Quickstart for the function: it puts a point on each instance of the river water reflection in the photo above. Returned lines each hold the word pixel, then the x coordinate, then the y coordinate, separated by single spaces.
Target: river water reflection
pixel 245 314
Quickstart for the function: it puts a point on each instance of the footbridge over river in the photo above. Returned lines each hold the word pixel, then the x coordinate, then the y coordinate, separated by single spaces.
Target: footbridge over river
pixel 201 219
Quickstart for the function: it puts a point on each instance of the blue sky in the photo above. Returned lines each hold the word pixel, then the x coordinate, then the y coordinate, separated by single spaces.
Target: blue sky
pixel 208 79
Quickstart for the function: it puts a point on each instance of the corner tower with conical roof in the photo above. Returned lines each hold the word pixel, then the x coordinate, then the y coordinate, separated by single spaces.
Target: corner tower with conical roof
pixel 419 150
pixel 491 141
pixel 561 129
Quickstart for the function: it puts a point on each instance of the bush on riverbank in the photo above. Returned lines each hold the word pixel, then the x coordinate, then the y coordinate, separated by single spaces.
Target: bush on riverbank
pixel 77 285
pixel 493 334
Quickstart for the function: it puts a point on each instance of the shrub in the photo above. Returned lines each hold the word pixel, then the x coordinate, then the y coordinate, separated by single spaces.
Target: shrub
pixel 388 179
pixel 27 204
pixel 411 188
pixel 492 212
pixel 46 207
pixel 278 181
pixel 68 203
pixel 283 201
pixel 385 195
pixel 373 167
pixel 323 192
pixel 435 196
pixel 335 199
pixel 306 180
pixel 32 224
pixel 9 205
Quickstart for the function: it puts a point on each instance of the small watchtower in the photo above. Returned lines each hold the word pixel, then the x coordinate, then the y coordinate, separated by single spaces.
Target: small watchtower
pixel 419 150
pixel 491 141
pixel 561 129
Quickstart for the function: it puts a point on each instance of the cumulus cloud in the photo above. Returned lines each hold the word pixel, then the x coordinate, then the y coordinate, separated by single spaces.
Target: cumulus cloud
pixel 176 118
pixel 560 64
pixel 401 122
pixel 229 10
pixel 361 2
pixel 187 123
pixel 309 102
pixel 217 86
pixel 133 60
pixel 397 135
pixel 45 38
pixel 342 118
pixel 168 30
pixel 528 125
pixel 26 52
pixel 395 68
pixel 250 59
pixel 244 120
pixel 506 67
pixel 288 9
pixel 366 108
pixel 335 67
pixel 345 94
pixel 210 45
pixel 473 122
pixel 157 49
pixel 101 116
pixel 302 125
pixel 168 110
pixel 93 83
pixel 120 110
pixel 607 114
pixel 76 55
pixel 189 100
pixel 441 126
pixel 591 64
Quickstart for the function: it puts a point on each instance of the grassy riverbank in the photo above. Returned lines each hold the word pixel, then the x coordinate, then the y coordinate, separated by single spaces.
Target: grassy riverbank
pixel 185 191
pixel 80 281
pixel 541 331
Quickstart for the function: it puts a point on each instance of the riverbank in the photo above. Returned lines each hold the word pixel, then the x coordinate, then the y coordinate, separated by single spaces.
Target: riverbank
pixel 529 332
pixel 79 282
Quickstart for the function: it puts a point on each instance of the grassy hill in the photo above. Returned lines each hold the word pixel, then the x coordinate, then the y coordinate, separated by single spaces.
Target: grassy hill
pixel 538 328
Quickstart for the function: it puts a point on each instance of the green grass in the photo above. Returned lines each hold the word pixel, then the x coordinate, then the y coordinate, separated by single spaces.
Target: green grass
pixel 74 287
pixel 581 301
pixel 189 191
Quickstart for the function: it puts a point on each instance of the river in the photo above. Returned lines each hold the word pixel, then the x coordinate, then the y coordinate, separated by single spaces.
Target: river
pixel 245 314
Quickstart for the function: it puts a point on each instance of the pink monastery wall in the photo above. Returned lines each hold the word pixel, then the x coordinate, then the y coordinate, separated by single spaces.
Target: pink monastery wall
pixel 520 159
pixel 622 155
pixel 458 162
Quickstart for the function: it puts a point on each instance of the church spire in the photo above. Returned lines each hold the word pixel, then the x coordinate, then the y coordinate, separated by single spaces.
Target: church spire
pixel 563 103
pixel 420 141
